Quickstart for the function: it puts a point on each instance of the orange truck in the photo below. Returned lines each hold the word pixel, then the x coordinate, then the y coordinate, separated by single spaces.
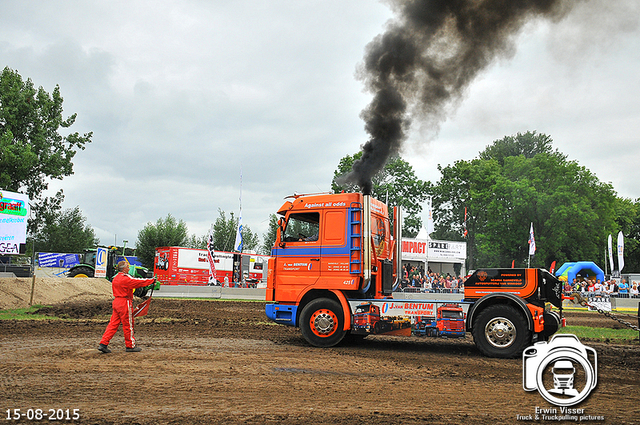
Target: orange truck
pixel 335 252
pixel 449 322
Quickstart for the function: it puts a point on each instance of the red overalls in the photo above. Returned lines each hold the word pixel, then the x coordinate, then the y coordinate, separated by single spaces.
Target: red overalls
pixel 123 286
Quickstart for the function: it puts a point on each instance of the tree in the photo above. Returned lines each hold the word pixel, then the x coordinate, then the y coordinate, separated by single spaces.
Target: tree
pixel 65 231
pixel 224 234
pixel 269 238
pixel 32 149
pixel 165 232
pixel 196 242
pixel 528 144
pixel 395 184
pixel 628 221
pixel 571 210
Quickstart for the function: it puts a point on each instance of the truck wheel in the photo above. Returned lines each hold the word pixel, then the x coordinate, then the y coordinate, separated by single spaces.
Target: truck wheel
pixel 81 272
pixel 501 331
pixel 322 323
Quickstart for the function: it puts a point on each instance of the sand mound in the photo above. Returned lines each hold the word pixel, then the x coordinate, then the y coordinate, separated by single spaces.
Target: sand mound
pixel 16 292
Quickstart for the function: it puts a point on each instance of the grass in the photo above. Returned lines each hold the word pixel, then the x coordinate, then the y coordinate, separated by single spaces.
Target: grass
pixel 601 334
pixel 25 314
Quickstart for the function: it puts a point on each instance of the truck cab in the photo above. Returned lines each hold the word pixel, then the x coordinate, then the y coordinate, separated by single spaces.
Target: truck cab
pixel 329 248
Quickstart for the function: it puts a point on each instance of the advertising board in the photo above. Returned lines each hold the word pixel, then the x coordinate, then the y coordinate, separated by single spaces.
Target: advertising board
pixel 101 262
pixel 14 212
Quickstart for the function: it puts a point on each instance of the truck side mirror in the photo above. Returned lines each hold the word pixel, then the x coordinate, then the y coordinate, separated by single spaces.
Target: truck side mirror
pixel 281 224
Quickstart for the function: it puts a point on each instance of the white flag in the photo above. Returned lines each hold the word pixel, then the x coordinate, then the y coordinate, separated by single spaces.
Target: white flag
pixel 532 242
pixel 610 243
pixel 430 226
pixel 238 244
pixel 620 251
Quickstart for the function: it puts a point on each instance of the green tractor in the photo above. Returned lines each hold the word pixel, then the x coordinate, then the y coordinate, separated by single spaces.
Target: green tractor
pixel 87 268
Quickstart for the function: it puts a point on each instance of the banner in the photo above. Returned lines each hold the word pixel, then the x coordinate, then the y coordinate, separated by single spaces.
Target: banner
pixel 620 251
pixel 238 243
pixel 430 226
pixel 213 279
pixel 54 259
pixel 14 212
pixel 101 263
pixel 610 243
pixel 464 225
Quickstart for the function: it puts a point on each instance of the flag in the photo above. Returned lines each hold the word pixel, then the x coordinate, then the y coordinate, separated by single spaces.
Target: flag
pixel 532 242
pixel 142 309
pixel 610 243
pixel 211 256
pixel 238 244
pixel 465 223
pixel 553 267
pixel 430 226
pixel 620 251
pixel 513 264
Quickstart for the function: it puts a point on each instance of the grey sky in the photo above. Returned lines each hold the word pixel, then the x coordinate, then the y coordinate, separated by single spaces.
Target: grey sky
pixel 182 96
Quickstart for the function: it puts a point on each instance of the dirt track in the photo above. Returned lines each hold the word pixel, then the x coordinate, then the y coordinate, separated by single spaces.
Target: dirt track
pixel 221 362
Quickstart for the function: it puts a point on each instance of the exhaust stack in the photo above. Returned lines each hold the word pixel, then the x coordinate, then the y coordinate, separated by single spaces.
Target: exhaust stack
pixel 366 239
pixel 397 234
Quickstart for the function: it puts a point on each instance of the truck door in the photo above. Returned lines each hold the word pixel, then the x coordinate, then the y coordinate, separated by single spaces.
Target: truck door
pixel 335 265
pixel 297 259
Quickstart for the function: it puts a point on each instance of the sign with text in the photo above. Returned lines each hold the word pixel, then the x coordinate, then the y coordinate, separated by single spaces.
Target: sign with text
pixel 14 212
pixel 101 262
pixel 431 250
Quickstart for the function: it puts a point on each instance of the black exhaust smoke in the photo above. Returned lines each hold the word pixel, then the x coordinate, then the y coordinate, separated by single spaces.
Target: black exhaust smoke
pixel 420 67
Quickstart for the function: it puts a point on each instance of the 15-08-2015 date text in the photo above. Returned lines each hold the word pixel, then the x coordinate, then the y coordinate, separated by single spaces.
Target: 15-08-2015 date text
pixel 43 414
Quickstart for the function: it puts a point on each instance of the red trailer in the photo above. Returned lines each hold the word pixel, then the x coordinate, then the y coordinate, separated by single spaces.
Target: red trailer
pixel 186 266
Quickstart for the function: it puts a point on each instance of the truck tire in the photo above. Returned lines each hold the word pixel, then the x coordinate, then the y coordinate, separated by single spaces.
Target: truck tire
pixel 501 331
pixel 322 322
pixel 81 271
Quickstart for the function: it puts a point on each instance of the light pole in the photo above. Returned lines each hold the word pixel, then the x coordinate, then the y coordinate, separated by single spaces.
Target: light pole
pixel 124 245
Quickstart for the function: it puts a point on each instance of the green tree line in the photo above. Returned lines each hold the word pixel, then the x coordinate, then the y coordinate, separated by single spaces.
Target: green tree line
pixel 519 180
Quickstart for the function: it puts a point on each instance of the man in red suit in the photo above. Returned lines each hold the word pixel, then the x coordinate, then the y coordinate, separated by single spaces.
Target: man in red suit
pixel 123 286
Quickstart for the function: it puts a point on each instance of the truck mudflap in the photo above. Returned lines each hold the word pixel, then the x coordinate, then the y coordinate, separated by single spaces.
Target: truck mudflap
pixel 284 314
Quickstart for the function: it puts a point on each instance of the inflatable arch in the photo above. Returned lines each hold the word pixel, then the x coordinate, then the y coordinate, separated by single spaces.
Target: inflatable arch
pixel 583 268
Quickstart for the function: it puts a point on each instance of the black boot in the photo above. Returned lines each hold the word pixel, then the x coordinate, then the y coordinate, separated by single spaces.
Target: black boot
pixel 133 349
pixel 104 349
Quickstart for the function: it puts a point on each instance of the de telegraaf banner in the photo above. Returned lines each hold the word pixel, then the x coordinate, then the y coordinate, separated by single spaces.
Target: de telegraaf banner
pixel 14 212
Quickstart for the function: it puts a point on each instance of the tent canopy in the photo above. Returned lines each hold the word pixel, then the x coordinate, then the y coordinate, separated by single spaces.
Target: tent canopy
pixel 582 268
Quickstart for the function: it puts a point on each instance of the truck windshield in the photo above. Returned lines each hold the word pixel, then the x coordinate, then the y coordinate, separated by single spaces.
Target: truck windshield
pixel 451 314
pixel 362 308
pixel 302 227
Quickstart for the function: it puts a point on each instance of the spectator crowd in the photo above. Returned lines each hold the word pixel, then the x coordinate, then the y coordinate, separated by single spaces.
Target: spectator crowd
pixel 620 289
pixel 415 279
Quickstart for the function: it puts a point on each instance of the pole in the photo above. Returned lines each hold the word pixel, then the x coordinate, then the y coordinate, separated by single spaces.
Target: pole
pixel 33 286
